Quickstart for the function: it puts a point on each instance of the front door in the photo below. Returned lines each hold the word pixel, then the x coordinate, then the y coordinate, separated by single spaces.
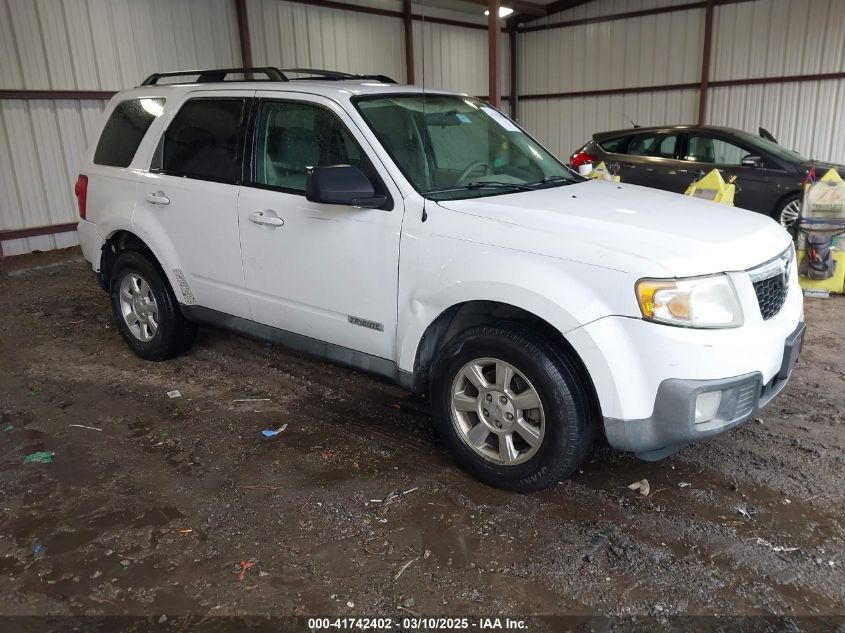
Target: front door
pixel 324 271
pixel 706 151
pixel 188 200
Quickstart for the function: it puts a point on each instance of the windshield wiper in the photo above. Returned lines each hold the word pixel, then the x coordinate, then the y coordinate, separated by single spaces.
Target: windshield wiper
pixel 551 179
pixel 491 184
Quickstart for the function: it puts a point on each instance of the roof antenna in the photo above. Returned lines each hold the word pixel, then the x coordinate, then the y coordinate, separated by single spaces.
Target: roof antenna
pixel 630 120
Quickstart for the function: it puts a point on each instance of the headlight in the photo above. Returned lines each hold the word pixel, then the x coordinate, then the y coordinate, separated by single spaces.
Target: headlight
pixel 703 302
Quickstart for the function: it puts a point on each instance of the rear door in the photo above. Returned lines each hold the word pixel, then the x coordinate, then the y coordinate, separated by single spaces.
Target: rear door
pixel 705 151
pixel 188 201
pixel 651 160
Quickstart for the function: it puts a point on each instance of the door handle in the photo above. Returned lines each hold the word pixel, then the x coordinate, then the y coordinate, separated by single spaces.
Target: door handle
pixel 157 197
pixel 267 218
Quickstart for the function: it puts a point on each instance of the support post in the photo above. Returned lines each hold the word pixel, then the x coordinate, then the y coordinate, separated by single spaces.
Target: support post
pixel 705 62
pixel 493 36
pixel 243 34
pixel 514 87
pixel 408 21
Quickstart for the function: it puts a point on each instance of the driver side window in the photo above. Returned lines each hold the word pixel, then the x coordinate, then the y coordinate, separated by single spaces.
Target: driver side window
pixel 291 138
pixel 706 149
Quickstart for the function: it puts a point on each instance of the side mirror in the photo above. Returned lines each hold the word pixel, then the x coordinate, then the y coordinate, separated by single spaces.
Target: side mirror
pixel 751 161
pixel 341 184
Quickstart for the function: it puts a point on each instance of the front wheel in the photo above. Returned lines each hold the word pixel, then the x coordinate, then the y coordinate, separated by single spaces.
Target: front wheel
pixel 510 408
pixel 788 212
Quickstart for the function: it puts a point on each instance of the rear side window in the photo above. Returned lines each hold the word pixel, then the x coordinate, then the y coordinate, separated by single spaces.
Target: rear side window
pixel 657 145
pixel 125 130
pixel 615 145
pixel 203 140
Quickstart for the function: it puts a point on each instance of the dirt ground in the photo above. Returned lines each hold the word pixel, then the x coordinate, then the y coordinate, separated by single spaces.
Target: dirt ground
pixel 180 506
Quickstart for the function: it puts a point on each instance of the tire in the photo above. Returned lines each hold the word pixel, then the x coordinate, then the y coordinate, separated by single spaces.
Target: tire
pixel 473 431
pixel 146 311
pixel 787 213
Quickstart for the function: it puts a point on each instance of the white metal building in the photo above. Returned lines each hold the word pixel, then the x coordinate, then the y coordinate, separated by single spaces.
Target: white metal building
pixel 575 67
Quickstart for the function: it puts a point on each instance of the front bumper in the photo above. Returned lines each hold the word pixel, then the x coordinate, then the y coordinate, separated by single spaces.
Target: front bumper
pixel 672 425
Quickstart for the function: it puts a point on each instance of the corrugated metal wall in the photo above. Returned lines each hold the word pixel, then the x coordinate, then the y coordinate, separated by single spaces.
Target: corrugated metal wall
pixel 563 125
pixel 771 38
pixel 760 38
pixel 114 44
pixel 456 58
pixel 84 45
pixel 41 145
pixel 616 54
pixel 599 8
pixel 808 117
pixel 288 35
pixel 604 55
pixel 110 44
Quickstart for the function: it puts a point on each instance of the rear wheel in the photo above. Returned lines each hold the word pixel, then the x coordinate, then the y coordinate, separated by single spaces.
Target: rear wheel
pixel 146 309
pixel 512 411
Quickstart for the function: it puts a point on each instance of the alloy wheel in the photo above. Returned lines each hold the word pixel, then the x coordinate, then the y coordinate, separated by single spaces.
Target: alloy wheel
pixel 138 307
pixel 497 411
pixel 789 215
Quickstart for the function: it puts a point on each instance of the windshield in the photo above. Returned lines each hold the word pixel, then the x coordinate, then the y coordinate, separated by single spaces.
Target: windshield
pixel 771 147
pixel 458 147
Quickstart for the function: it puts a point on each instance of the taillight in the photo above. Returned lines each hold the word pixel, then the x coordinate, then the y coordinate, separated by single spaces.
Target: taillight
pixel 81 191
pixel 579 158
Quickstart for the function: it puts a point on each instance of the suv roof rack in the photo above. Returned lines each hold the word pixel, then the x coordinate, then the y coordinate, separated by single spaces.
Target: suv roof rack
pixel 216 75
pixel 332 75
pixel 213 75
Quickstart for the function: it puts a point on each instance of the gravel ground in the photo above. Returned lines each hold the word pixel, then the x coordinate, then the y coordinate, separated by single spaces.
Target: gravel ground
pixel 180 506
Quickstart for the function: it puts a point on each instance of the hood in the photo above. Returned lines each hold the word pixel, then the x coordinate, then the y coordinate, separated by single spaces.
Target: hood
pixel 630 228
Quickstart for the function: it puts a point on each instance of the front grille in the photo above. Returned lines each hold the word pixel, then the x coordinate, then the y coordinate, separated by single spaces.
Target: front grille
pixel 771 282
pixel 771 294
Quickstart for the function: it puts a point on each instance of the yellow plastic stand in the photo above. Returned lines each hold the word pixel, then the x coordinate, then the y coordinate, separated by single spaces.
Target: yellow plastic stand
pixel 601 172
pixel 823 200
pixel 713 187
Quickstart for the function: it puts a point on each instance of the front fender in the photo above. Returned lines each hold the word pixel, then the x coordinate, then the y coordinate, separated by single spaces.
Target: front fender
pixel 442 272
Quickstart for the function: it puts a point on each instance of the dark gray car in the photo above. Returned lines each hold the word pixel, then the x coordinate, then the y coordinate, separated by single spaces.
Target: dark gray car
pixel 769 177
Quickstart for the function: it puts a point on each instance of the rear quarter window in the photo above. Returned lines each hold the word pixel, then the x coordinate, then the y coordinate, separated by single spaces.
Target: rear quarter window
pixel 615 145
pixel 125 129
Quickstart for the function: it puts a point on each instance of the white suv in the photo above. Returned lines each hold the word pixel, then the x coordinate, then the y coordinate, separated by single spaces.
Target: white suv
pixel 425 237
